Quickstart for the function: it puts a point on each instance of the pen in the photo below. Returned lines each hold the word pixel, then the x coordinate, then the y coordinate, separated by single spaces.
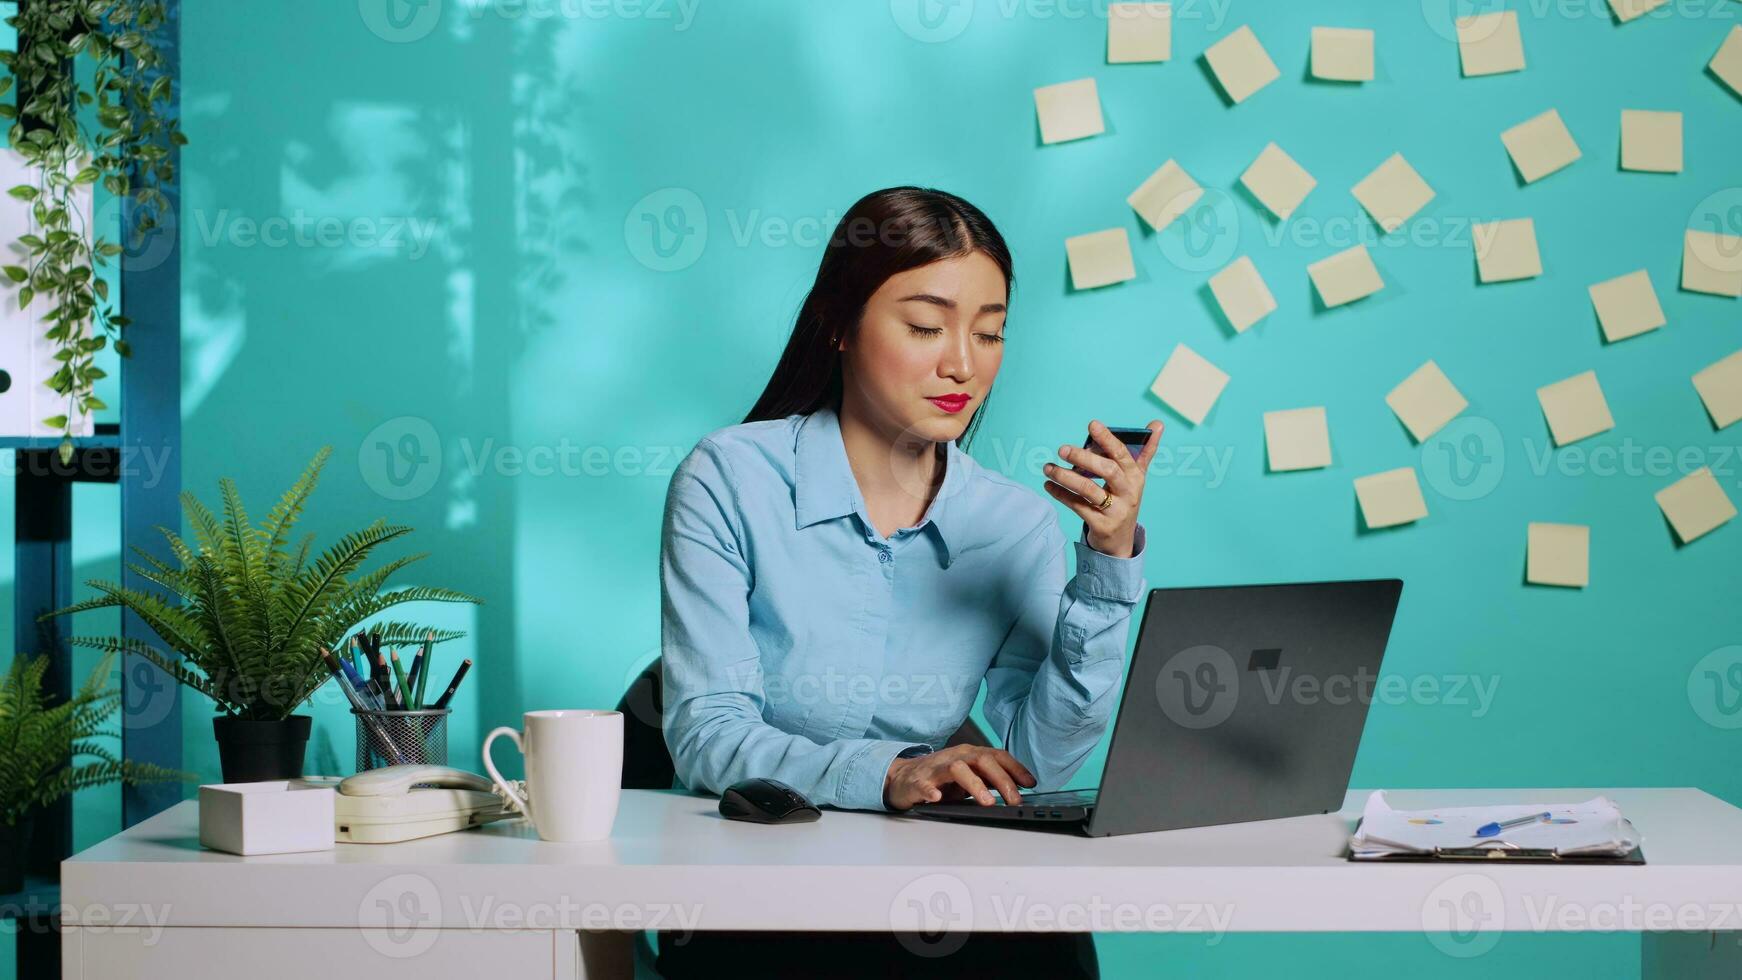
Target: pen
pixel 358 656
pixel 1490 829
pixel 378 733
pixel 390 696
pixel 453 685
pixel 351 675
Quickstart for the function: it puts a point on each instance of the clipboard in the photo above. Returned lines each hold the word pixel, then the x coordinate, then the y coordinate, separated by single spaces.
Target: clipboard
pixel 1500 852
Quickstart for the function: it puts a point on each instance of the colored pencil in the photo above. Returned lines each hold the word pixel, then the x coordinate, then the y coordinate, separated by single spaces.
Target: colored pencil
pixel 453 685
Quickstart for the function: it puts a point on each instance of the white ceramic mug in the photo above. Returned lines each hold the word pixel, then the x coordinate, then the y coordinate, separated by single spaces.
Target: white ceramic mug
pixel 574 771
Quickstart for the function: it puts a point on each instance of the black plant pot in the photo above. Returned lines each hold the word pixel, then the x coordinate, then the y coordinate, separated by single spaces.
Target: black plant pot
pixel 14 851
pixel 256 751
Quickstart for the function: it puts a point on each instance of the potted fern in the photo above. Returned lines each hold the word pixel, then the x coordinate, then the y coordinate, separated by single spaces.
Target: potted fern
pixel 254 615
pixel 51 750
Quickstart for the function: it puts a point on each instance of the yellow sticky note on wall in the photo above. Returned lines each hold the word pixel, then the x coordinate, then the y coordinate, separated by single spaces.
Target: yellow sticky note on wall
pixel 1345 277
pixel 1626 10
pixel 1069 111
pixel 1651 141
pixel 1165 195
pixel 1695 505
pixel 1627 306
pixel 1712 263
pixel 1559 554
pixel 1100 258
pixel 1393 193
pixel 1342 54
pixel 1720 387
pixel 1425 401
pixel 1188 384
pixel 1727 63
pixel 1390 498
pixel 1279 183
pixel 1241 64
pixel 1241 293
pixel 1297 439
pixel 1139 32
pixel 1489 44
pixel 1506 250
pixel 1540 145
pixel 1575 408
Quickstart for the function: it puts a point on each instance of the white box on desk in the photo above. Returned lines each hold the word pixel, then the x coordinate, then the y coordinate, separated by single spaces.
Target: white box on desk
pixel 276 817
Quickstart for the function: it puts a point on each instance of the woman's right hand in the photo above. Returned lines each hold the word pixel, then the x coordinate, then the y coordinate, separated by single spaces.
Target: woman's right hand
pixel 958 772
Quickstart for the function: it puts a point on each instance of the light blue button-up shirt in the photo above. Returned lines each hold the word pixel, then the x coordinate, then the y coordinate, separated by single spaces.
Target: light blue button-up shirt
pixel 802 645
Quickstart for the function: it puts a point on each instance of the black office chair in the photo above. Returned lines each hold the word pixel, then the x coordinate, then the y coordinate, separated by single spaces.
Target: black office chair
pixel 647 765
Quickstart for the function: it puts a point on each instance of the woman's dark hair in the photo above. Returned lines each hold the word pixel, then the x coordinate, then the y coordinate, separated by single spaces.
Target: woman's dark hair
pixel 885 233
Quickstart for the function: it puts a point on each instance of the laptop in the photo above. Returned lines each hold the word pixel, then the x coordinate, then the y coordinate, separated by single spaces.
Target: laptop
pixel 1241 703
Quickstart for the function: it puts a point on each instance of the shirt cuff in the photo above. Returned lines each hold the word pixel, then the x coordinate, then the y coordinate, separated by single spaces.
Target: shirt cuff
pixel 1107 577
pixel 862 784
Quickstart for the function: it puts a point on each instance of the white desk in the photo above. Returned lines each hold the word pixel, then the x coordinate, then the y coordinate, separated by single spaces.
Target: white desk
pixel 150 902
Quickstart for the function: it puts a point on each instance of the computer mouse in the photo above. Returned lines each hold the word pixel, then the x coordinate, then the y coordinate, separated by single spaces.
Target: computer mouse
pixel 764 800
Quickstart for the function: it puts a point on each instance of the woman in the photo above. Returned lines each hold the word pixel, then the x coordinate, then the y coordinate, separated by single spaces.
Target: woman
pixel 839 576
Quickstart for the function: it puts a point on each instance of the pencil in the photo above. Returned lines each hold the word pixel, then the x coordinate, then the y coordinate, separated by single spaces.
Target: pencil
pixel 428 665
pixel 399 675
pixel 453 685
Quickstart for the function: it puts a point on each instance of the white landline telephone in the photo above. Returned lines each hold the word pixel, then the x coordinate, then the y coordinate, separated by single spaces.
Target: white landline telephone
pixel 398 803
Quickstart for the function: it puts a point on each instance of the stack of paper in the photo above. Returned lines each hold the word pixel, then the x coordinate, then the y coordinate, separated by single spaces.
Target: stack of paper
pixel 1594 827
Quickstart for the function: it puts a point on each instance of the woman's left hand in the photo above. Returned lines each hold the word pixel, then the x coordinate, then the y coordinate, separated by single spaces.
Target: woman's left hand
pixel 1109 511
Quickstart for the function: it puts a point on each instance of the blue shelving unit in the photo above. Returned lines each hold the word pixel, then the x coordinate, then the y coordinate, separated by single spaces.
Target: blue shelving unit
pixel 150 403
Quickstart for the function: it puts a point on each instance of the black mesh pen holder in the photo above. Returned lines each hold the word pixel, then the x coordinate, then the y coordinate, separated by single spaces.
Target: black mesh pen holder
pixel 391 738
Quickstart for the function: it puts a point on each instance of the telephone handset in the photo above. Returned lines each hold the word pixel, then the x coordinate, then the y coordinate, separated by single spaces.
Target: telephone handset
pixel 393 780
pixel 397 803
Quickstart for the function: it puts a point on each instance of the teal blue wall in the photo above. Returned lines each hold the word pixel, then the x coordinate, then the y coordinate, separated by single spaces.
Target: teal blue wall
pixel 515 147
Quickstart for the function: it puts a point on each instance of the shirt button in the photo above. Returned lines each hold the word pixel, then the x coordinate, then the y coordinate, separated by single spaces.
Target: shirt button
pixel 883 556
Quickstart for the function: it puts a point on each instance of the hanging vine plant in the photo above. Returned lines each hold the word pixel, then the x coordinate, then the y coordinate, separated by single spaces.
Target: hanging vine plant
pixel 113 129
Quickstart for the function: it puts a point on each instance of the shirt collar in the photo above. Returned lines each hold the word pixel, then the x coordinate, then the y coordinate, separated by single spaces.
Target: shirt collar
pixel 826 488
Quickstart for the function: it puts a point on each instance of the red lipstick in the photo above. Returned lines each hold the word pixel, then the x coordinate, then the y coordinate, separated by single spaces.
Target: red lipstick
pixel 950 403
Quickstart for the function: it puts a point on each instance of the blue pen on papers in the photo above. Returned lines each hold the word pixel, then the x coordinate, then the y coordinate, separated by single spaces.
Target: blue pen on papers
pixel 1491 829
